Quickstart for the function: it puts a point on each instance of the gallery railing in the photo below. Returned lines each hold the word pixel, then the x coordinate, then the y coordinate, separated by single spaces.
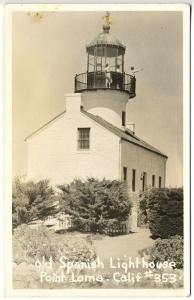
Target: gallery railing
pixel 105 80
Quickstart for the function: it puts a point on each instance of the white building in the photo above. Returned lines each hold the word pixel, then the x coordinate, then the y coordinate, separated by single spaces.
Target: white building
pixel 90 138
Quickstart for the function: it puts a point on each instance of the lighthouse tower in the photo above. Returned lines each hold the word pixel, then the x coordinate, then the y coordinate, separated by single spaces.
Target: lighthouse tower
pixel 105 86
pixel 90 139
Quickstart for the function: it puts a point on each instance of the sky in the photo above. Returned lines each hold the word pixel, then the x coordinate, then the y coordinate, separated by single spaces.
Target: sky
pixel 49 51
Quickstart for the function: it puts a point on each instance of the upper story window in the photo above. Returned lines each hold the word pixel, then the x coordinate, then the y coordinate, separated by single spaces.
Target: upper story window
pixel 160 182
pixel 153 180
pixel 83 138
pixel 123 118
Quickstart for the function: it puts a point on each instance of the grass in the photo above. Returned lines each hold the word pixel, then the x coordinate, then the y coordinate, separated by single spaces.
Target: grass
pixel 27 276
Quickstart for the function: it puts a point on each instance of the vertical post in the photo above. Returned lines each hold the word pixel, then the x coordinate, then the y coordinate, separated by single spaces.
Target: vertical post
pixel 101 57
pixel 94 83
pixel 94 59
pixel 116 60
pixel 88 62
pixel 123 73
pixel 122 63
pixel 75 83
pixel 101 74
pixel 88 67
pixel 105 54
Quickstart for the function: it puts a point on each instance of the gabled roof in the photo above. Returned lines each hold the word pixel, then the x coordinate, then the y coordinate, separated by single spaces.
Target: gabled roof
pixel 47 123
pixel 126 135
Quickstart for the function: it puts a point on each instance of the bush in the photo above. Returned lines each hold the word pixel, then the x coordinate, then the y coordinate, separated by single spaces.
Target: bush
pixel 93 203
pixel 163 208
pixel 30 245
pixel 31 200
pixel 168 250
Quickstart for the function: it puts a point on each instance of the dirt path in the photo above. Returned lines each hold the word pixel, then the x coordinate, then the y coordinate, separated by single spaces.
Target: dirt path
pixel 119 246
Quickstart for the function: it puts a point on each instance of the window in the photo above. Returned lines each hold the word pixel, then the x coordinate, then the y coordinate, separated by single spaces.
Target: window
pixel 123 118
pixel 153 180
pixel 125 173
pixel 133 180
pixel 83 138
pixel 160 182
pixel 144 181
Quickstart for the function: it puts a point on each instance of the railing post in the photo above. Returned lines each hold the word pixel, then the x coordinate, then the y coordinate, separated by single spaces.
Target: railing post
pixel 75 83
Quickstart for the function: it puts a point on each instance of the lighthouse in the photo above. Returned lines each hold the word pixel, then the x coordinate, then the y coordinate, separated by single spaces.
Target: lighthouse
pixel 105 86
pixel 89 138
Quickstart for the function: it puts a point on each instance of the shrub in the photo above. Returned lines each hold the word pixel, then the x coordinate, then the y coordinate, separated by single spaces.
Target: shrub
pixel 163 208
pixel 30 245
pixel 168 250
pixel 31 200
pixel 93 203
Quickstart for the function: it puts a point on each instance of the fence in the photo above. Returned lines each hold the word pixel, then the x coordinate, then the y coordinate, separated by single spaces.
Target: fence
pixel 115 229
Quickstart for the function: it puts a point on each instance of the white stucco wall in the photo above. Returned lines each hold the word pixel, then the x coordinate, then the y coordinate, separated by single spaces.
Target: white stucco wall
pixel 107 104
pixel 142 160
pixel 53 152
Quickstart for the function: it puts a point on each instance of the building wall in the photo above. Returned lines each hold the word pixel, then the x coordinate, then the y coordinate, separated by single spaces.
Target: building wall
pixel 53 151
pixel 106 104
pixel 142 160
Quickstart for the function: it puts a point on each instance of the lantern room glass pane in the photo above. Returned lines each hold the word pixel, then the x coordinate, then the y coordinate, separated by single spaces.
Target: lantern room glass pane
pixel 101 56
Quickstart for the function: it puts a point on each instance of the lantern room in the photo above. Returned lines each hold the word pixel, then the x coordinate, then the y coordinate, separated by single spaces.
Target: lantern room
pixel 105 65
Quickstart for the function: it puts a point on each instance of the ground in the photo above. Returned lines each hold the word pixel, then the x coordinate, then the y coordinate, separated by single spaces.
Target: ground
pixel 118 246
pixel 26 275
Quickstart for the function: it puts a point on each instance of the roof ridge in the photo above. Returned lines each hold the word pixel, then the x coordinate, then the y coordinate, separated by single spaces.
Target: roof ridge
pixel 45 124
pixel 118 131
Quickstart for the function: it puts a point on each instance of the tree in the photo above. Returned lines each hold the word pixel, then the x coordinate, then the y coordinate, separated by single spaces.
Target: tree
pixel 31 200
pixel 163 208
pixel 94 203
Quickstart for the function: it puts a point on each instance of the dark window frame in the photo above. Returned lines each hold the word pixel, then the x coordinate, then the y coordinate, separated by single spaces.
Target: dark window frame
pixel 83 140
pixel 133 180
pixel 153 180
pixel 123 118
pixel 124 173
pixel 160 182
pixel 144 181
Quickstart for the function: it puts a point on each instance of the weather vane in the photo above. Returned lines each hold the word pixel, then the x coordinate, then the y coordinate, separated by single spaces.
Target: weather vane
pixel 107 19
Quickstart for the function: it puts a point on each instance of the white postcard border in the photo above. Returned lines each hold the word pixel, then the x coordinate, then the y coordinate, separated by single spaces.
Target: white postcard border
pixel 8 10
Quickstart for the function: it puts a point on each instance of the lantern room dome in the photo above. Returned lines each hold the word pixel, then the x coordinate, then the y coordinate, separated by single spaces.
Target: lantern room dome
pixel 106 39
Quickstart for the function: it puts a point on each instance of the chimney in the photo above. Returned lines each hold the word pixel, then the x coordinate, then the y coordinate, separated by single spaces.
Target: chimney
pixel 130 126
pixel 73 103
